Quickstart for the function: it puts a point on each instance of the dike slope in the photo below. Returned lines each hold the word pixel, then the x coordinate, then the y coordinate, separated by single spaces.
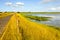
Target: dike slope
pixel 19 28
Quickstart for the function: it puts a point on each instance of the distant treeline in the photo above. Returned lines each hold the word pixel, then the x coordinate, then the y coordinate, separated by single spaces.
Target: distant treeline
pixel 34 12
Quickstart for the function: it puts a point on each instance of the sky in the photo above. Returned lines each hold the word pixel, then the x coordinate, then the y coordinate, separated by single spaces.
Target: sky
pixel 30 5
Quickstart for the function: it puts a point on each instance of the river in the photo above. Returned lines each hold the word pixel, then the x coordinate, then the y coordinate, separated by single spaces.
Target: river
pixel 55 21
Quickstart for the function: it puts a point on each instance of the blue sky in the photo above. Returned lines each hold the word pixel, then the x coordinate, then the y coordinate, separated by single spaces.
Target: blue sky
pixel 30 5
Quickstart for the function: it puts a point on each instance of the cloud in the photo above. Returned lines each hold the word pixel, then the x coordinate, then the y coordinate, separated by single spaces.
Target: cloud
pixel 20 3
pixel 47 1
pixel 8 3
pixel 15 5
pixel 55 8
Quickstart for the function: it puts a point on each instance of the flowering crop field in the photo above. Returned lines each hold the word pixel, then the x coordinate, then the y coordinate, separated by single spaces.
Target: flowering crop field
pixel 18 27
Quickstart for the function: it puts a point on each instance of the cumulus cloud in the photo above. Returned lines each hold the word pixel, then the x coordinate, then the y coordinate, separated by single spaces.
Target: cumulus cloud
pixel 47 1
pixel 55 8
pixel 8 3
pixel 19 3
pixel 16 4
pixel 52 8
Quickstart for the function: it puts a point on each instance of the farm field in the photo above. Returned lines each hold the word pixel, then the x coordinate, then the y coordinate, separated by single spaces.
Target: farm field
pixel 18 26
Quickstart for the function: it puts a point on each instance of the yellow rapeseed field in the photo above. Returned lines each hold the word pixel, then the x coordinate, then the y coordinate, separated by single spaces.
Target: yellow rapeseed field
pixel 19 28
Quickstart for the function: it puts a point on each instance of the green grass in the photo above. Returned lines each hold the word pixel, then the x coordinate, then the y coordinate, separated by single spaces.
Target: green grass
pixel 39 18
pixel 40 12
pixel 34 12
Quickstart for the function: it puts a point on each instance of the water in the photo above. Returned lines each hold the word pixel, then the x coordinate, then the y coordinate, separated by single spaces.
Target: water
pixel 55 21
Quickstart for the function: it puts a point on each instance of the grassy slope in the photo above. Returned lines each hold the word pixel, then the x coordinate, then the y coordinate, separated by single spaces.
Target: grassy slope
pixel 38 18
pixel 27 30
pixel 34 31
pixel 40 12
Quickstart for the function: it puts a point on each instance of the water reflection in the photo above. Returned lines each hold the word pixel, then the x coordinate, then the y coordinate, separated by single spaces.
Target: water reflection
pixel 55 21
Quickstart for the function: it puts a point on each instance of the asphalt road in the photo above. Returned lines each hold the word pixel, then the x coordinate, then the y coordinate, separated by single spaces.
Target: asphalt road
pixel 3 22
